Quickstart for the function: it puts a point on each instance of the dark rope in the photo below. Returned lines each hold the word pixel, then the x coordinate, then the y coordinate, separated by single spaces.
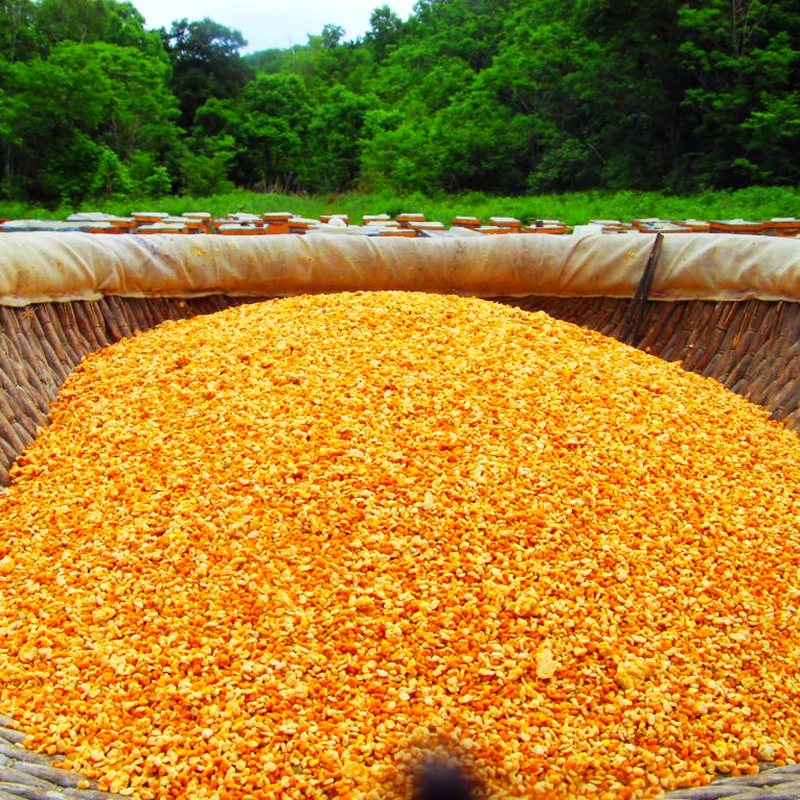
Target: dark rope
pixel 638 307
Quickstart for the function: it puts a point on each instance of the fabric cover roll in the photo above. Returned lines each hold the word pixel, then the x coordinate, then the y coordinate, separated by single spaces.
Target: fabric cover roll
pixel 61 266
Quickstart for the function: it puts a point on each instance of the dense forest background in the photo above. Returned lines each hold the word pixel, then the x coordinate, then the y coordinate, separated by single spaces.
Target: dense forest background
pixel 498 96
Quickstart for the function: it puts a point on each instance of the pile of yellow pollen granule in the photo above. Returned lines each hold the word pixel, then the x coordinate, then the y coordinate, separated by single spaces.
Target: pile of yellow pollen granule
pixel 283 550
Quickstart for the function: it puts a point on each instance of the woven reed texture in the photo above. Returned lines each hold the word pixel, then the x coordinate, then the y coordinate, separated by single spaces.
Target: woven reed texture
pixel 41 344
pixel 752 347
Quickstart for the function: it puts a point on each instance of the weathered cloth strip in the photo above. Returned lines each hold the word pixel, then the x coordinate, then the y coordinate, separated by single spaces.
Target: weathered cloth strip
pixel 43 267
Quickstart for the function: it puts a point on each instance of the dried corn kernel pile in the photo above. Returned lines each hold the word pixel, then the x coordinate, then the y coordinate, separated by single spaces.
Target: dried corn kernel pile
pixel 281 550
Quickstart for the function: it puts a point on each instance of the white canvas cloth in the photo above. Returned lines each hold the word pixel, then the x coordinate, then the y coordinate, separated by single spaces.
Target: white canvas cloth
pixel 49 266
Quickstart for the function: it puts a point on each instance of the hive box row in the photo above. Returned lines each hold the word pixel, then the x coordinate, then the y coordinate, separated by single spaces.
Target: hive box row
pixel 241 224
pixel 405 225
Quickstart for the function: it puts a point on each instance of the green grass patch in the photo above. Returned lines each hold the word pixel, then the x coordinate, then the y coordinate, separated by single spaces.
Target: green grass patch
pixel 754 203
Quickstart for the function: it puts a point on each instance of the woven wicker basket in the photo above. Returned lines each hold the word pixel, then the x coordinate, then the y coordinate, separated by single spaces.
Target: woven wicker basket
pixel 751 346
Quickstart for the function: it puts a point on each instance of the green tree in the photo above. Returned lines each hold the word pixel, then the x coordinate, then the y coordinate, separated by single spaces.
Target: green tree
pixel 386 29
pixel 17 32
pixel 275 114
pixel 206 165
pixel 743 61
pixel 9 139
pixel 206 63
pixel 271 61
pixel 471 30
pixel 217 137
pixel 79 117
pixel 53 113
pixel 138 109
pixel 631 84
pixel 481 145
pixel 334 139
pixel 326 59
pixel 398 156
pixel 331 36
pixel 540 109
pixel 89 21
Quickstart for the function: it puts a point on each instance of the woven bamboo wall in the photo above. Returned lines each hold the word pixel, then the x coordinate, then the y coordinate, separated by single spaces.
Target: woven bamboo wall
pixel 752 347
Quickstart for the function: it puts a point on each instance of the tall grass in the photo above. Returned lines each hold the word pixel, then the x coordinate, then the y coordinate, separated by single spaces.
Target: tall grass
pixel 755 203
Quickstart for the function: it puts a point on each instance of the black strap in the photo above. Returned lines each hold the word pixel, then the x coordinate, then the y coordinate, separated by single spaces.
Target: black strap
pixel 638 306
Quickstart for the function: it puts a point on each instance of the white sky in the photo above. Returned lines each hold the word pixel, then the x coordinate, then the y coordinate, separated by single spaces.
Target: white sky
pixel 272 23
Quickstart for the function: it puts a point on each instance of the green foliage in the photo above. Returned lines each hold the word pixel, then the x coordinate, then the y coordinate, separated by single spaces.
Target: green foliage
pixel 205 63
pixel 76 118
pixel 276 110
pixel 270 61
pixel 743 59
pixel 149 179
pixel 89 22
pixel 17 29
pixel 335 131
pixel 498 96
pixel 135 110
pixel 204 171
pixel 386 29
